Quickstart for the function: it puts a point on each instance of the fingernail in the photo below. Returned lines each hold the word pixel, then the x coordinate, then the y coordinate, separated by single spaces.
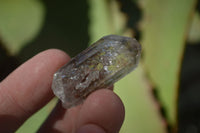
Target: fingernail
pixel 90 128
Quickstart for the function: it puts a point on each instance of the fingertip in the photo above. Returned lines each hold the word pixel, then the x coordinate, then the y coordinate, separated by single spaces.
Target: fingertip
pixel 54 57
pixel 103 108
pixel 57 53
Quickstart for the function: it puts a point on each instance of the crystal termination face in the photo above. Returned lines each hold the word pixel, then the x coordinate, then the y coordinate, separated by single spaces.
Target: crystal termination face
pixel 99 66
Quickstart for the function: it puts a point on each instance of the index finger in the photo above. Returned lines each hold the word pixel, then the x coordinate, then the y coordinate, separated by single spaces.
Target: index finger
pixel 27 89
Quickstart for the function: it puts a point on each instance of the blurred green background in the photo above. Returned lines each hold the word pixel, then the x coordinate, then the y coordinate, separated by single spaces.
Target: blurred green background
pixel 161 96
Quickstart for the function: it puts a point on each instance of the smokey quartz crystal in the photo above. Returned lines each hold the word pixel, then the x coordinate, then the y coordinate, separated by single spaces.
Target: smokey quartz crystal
pixel 99 66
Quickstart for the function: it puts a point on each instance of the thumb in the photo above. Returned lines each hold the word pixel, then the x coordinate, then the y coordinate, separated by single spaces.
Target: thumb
pixel 103 111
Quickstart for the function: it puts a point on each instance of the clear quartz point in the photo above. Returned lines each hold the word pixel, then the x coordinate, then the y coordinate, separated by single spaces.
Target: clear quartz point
pixel 99 66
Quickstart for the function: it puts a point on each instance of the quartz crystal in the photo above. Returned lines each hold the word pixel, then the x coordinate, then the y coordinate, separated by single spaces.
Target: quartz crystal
pixel 99 66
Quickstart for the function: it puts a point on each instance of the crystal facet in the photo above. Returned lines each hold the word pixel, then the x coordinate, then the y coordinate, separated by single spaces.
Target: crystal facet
pixel 99 66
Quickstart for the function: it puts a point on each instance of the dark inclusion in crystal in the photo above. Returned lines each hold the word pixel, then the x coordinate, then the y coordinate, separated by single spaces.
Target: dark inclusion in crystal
pixel 99 66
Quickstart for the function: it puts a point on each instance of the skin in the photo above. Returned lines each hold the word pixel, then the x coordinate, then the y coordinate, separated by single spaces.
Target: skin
pixel 28 89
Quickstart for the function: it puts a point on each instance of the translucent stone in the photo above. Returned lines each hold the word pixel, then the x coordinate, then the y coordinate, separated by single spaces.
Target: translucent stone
pixel 99 66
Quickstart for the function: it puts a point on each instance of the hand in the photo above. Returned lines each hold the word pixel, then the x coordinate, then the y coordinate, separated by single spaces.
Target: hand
pixel 28 89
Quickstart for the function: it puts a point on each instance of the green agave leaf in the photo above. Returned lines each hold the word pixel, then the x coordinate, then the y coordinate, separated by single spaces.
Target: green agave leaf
pixel 105 19
pixel 165 26
pixel 99 19
pixel 20 21
pixel 142 114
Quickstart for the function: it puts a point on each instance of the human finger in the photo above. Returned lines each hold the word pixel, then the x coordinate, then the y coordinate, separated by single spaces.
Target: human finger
pixel 27 89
